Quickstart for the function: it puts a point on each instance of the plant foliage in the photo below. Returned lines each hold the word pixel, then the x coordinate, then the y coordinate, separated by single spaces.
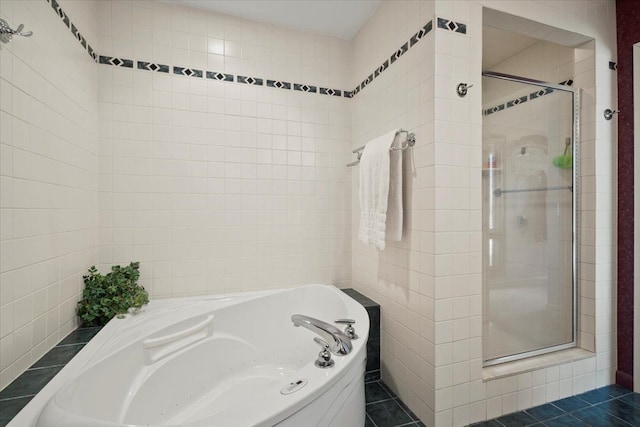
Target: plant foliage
pixel 112 294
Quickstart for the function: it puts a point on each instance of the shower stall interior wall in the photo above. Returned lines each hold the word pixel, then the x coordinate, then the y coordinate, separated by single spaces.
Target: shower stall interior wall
pixel 218 186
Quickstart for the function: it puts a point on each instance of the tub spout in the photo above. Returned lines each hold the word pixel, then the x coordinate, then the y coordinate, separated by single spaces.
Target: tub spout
pixel 339 342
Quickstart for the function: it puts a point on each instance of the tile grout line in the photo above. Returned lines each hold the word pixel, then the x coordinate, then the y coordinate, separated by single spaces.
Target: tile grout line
pixel 69 345
pixel 571 413
pixel 404 410
pixel 5 399
pixel 371 419
pixel 39 368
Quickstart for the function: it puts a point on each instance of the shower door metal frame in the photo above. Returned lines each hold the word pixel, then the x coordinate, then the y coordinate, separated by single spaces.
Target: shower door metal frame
pixel 576 92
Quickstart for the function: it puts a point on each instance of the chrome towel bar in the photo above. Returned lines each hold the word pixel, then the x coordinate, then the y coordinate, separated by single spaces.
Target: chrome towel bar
pixel 410 141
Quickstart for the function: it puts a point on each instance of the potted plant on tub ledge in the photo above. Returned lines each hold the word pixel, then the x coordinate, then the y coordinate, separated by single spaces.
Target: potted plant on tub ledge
pixel 112 294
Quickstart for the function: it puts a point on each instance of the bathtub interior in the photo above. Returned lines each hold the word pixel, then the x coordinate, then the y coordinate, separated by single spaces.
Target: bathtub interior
pixel 248 350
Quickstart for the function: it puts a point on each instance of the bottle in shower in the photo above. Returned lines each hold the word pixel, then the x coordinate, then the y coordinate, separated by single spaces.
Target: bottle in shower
pixel 491 157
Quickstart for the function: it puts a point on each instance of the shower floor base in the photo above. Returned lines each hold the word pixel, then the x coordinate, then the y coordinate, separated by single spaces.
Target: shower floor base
pixel 535 362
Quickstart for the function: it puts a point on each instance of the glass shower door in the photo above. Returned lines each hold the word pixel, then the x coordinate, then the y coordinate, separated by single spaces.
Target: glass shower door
pixel 528 217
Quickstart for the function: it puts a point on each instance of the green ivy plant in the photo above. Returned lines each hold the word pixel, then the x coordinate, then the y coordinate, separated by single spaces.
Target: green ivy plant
pixel 110 295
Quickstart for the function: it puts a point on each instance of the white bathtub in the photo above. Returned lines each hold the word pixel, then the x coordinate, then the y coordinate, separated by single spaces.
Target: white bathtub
pixel 213 361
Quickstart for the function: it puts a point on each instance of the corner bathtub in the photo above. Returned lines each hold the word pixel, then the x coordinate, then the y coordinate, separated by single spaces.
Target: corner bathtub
pixel 224 361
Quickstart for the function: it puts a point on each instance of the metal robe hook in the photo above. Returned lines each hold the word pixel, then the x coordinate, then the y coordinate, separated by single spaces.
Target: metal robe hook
pixel 6 32
pixel 608 113
pixel 462 89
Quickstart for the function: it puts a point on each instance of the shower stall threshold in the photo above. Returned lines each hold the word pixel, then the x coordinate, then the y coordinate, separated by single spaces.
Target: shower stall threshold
pixel 529 364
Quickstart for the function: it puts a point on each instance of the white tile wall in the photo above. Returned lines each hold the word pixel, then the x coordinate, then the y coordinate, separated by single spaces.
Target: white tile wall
pixel 441 293
pixel 400 277
pixel 48 179
pixel 217 186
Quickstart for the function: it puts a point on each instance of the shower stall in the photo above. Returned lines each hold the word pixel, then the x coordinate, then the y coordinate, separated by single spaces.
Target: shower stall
pixel 530 129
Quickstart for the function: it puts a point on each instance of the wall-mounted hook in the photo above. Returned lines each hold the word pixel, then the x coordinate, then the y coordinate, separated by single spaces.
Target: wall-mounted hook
pixel 462 89
pixel 6 33
pixel 608 113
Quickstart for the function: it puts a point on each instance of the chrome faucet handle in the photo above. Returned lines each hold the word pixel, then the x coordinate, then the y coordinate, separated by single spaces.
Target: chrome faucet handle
pixel 349 330
pixel 324 357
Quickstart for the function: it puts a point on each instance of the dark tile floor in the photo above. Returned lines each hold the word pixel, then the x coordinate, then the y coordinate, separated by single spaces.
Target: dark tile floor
pixel 17 394
pixel 385 409
pixel 611 406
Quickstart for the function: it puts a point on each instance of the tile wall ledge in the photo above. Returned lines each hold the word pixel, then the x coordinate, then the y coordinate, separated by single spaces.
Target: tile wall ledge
pixel 502 370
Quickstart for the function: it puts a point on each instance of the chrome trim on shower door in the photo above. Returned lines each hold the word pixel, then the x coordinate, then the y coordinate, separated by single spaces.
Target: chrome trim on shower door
pixel 576 94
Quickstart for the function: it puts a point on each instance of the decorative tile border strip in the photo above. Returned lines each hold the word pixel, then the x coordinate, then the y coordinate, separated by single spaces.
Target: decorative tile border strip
pixel 456 27
pixel 279 84
pixel 393 58
pixel 255 81
pixel 74 30
pixel 250 80
pixel 219 76
pixel 189 72
pixel 117 62
pixel 149 66
pixel 522 99
pixel 305 88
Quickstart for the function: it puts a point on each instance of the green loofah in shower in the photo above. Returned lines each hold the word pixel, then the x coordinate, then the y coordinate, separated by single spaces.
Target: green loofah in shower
pixel 565 161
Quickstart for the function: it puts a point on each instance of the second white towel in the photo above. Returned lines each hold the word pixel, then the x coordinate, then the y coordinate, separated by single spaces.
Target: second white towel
pixel 381 192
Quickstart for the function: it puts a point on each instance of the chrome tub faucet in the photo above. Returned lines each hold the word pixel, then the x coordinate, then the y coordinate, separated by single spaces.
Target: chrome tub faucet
pixel 339 342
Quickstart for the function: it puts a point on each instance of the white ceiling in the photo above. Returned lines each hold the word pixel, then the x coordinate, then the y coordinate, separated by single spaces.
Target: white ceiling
pixel 499 45
pixel 337 18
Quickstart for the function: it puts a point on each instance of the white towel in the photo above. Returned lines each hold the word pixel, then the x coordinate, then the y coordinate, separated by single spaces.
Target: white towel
pixel 380 192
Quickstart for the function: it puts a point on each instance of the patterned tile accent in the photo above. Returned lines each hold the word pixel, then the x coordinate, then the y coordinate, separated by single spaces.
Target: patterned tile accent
pixel 381 69
pixel 189 72
pixel 456 27
pixel 256 81
pixel 517 101
pixel 420 34
pixel 366 81
pixel 219 76
pixel 149 66
pixel 74 30
pixel 540 93
pixel 305 88
pixel 118 62
pixel 495 109
pixel 521 100
pixel 250 80
pixel 398 53
pixel 278 84
pixel 332 92
pixel 426 29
